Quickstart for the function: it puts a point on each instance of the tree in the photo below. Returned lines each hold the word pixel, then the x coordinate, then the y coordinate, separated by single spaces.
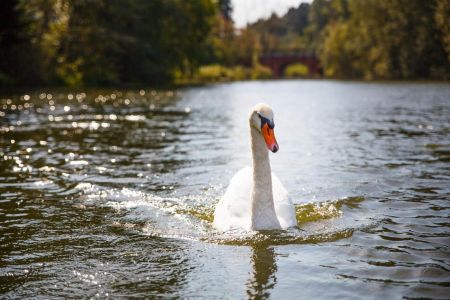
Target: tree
pixel 20 55
pixel 297 18
pixel 226 9
pixel 382 39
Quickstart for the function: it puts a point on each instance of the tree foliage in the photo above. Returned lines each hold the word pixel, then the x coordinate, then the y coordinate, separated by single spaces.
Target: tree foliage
pixel 98 42
pixel 226 9
pixel 105 41
pixel 384 39
pixel 368 39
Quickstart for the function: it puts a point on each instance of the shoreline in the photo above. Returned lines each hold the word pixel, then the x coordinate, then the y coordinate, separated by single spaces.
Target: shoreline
pixel 168 86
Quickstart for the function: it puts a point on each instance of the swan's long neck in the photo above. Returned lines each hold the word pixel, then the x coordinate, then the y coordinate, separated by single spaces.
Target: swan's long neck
pixel 263 210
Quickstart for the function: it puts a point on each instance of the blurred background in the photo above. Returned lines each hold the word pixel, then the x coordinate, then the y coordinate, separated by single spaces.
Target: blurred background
pixel 99 42
pixel 114 154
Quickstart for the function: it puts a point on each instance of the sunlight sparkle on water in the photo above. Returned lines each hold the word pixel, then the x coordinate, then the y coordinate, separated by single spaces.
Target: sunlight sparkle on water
pixel 113 188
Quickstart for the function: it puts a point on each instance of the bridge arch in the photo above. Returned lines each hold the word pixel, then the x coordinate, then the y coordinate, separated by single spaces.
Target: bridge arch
pixel 277 62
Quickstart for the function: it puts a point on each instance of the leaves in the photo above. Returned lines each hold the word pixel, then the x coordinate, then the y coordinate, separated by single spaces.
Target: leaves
pixel 96 42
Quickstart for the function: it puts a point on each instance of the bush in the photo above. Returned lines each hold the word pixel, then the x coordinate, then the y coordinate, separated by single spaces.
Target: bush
pixel 212 73
pixel 220 73
pixel 296 70
pixel 216 72
pixel 239 73
pixel 5 80
pixel 261 72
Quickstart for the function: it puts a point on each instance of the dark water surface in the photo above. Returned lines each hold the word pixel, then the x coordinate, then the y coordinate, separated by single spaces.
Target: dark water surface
pixel 110 193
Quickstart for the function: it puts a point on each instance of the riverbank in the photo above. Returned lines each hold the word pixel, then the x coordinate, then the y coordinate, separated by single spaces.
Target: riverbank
pixel 214 75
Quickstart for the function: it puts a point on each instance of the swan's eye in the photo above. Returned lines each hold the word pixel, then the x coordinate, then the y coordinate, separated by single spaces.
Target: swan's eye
pixel 270 123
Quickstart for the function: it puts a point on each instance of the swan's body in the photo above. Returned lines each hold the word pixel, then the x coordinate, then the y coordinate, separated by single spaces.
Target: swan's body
pixel 255 198
pixel 234 209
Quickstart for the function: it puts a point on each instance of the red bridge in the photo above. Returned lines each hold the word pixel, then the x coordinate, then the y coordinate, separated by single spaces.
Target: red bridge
pixel 277 62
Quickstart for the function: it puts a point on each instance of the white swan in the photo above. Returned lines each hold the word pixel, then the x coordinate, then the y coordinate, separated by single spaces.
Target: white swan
pixel 251 202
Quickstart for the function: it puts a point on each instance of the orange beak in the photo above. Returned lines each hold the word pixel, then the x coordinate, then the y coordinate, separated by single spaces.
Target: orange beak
pixel 269 137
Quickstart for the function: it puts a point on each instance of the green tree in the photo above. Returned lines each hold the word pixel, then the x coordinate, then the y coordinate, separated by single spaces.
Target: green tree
pixel 382 39
pixel 102 41
pixel 20 55
pixel 297 18
pixel 226 9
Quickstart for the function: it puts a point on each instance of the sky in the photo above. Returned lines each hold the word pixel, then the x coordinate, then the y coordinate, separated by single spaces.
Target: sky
pixel 248 11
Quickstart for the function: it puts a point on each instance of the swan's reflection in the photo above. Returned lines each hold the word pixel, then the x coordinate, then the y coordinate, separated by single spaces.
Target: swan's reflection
pixel 263 278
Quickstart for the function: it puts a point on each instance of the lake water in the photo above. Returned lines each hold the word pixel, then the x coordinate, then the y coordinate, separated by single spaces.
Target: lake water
pixel 110 193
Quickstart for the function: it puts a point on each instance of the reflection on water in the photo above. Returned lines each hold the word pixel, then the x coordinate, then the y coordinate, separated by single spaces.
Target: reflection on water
pixel 110 193
pixel 263 278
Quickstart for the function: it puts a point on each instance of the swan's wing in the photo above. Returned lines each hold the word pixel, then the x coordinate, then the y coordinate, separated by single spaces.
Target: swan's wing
pixel 283 206
pixel 233 210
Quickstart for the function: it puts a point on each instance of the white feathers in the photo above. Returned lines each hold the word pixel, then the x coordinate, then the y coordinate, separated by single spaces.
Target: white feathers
pixel 234 209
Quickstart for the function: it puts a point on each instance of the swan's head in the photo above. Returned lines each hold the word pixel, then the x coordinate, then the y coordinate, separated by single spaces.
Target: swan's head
pixel 261 118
